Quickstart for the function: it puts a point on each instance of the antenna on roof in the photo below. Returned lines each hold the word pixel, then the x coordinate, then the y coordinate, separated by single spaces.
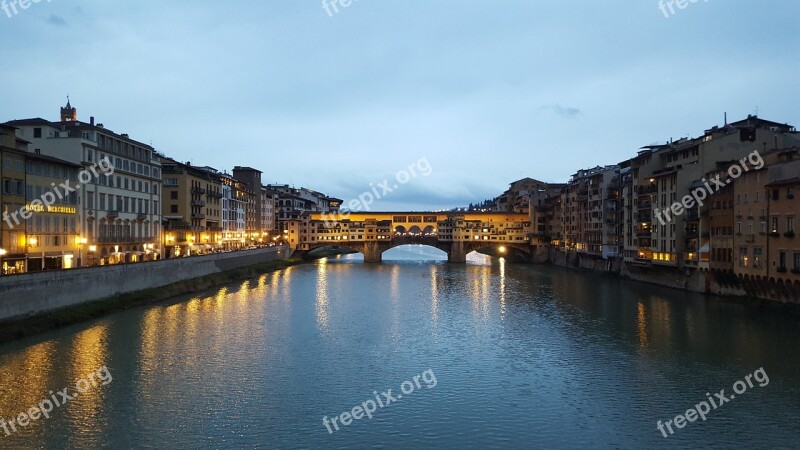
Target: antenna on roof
pixel 726 118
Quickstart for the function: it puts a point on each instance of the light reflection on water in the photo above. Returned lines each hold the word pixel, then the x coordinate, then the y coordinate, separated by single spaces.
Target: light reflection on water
pixel 525 356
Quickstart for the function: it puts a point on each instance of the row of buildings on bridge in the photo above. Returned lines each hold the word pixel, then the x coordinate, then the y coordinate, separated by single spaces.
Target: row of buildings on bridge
pixel 125 202
pixel 617 212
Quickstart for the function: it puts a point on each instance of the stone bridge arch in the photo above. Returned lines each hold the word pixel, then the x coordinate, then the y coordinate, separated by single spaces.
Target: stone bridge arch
pixel 456 251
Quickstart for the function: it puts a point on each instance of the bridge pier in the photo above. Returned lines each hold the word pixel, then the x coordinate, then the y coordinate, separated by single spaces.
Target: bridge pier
pixel 373 252
pixel 457 254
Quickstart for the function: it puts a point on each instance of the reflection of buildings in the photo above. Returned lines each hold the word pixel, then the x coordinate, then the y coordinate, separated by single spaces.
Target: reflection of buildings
pixel 120 214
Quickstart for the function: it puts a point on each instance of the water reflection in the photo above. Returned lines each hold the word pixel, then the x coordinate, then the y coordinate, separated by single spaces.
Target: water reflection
pixel 322 295
pixel 434 274
pixel 641 324
pixel 502 282
pixel 526 357
pixel 26 377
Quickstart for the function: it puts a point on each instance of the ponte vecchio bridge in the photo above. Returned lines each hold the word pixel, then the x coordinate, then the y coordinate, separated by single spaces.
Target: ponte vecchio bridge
pixel 372 233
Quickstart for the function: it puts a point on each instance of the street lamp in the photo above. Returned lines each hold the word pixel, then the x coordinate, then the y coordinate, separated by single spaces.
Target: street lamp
pixel 81 242
pixel 93 250
pixel 31 243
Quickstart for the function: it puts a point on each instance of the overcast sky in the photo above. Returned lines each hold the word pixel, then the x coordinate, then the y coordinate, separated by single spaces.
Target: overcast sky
pixel 488 91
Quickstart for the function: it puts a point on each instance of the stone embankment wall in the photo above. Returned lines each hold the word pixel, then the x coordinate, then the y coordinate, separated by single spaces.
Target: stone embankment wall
pixel 32 294
pixel 702 281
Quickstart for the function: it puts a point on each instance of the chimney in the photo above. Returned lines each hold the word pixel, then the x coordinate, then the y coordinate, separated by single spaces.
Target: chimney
pixel 91 120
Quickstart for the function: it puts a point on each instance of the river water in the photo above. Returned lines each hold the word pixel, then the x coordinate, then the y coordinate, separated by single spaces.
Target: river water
pixel 504 355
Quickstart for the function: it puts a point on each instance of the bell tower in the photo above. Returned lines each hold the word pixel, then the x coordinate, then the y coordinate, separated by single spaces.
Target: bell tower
pixel 68 113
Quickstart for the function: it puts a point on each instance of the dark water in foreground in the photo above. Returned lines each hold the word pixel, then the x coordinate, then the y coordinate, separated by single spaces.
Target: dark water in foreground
pixel 516 356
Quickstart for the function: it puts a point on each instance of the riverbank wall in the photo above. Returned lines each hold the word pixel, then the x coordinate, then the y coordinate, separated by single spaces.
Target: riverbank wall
pixel 35 294
pixel 702 281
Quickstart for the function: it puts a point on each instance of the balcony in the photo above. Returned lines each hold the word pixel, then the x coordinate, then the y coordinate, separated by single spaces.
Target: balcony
pixel 171 227
pixel 123 240
pixel 198 203
pixel 141 216
pixel 198 190
pixel 198 216
pixel 644 233
pixel 645 190
pixel 112 214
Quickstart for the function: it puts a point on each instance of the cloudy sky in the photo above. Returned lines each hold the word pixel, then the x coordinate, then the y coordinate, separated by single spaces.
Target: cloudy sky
pixel 488 91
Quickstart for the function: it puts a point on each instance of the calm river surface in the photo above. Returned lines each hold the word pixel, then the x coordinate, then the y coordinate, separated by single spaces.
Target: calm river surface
pixel 512 356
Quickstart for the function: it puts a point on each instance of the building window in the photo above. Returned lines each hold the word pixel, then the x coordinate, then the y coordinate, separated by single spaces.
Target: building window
pixel 757 254
pixel 790 193
pixel 774 224
pixel 743 257
pixel 782 260
pixel 173 195
pixel 173 209
pixel 790 224
pixel 796 265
